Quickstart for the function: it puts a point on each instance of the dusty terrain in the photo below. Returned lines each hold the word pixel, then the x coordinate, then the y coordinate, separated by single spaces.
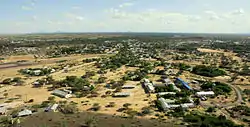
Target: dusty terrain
pixel 99 120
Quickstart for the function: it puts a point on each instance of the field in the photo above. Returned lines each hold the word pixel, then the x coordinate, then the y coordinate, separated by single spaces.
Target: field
pixel 88 118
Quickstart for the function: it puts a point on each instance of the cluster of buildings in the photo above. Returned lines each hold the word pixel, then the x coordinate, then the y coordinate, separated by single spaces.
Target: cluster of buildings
pixel 167 104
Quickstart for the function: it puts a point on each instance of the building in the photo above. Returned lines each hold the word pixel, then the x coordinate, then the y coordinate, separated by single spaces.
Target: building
pixel 61 93
pixel 67 91
pixel 150 88
pixel 169 104
pixel 167 81
pixel 52 108
pixel 176 88
pixel 169 101
pixel 3 110
pixel 25 112
pixel 128 87
pixel 205 93
pixel 37 72
pixel 164 104
pixel 183 83
pixel 187 105
pixel 121 95
pixel 146 81
pixel 165 93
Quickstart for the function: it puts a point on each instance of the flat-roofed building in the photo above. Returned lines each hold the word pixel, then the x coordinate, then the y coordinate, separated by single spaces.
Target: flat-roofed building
pixel 150 88
pixel 205 93
pixel 165 93
pixel 128 87
pixel 122 94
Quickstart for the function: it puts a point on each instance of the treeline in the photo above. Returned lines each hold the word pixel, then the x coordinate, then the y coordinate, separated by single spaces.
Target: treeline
pixel 208 71
pixel 218 87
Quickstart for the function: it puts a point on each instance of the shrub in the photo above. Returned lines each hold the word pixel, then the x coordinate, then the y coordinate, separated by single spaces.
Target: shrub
pixel 69 109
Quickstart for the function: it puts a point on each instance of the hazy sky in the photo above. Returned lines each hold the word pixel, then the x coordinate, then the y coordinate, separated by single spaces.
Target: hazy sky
pixel 206 16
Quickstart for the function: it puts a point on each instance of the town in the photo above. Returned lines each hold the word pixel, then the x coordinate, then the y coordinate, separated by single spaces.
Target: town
pixel 175 80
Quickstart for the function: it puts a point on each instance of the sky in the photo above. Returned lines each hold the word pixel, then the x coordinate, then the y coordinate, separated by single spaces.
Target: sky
pixel 188 16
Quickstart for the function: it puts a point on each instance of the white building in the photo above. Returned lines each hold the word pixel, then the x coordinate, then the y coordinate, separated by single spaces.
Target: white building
pixel 3 110
pixel 146 81
pixel 167 81
pixel 128 87
pixel 61 93
pixel 205 93
pixel 176 88
pixel 25 112
pixel 52 108
pixel 149 87
pixel 37 72
pixel 169 101
pixel 165 93
pixel 187 105
pixel 164 104
pixel 121 95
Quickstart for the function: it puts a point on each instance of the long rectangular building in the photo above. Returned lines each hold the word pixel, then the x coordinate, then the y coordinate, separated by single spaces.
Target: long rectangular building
pixel 205 93
pixel 165 93
pixel 185 84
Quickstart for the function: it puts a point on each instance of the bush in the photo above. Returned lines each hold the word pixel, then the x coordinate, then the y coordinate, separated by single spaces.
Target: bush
pixel 95 107
pixel 126 105
pixel 111 104
pixel 51 98
pixel 69 109
pixel 210 109
pixel 31 100
pixel 7 81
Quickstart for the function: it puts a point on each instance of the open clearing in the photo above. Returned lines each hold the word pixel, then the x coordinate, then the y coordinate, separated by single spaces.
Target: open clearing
pixel 99 120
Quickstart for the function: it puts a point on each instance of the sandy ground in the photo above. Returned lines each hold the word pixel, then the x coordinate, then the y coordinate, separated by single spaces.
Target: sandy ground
pixel 27 91
pixel 41 94
pixel 210 50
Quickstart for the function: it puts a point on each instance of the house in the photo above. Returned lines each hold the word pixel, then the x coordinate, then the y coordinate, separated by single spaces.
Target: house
pixel 176 88
pixel 52 71
pixel 25 112
pixel 183 83
pixel 146 81
pixel 187 105
pixel 128 87
pixel 86 88
pixel 3 110
pixel 121 95
pixel 205 93
pixel 52 108
pixel 67 91
pixel 36 83
pixel 169 101
pixel 37 72
pixel 61 93
pixel 165 93
pixel 167 81
pixel 150 88
pixel 164 104
pixel 173 106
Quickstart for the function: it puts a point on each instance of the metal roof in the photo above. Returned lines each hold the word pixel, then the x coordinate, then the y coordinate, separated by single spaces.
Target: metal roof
pixel 59 93
pixel 205 93
pixel 165 93
pixel 25 112
pixel 185 84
